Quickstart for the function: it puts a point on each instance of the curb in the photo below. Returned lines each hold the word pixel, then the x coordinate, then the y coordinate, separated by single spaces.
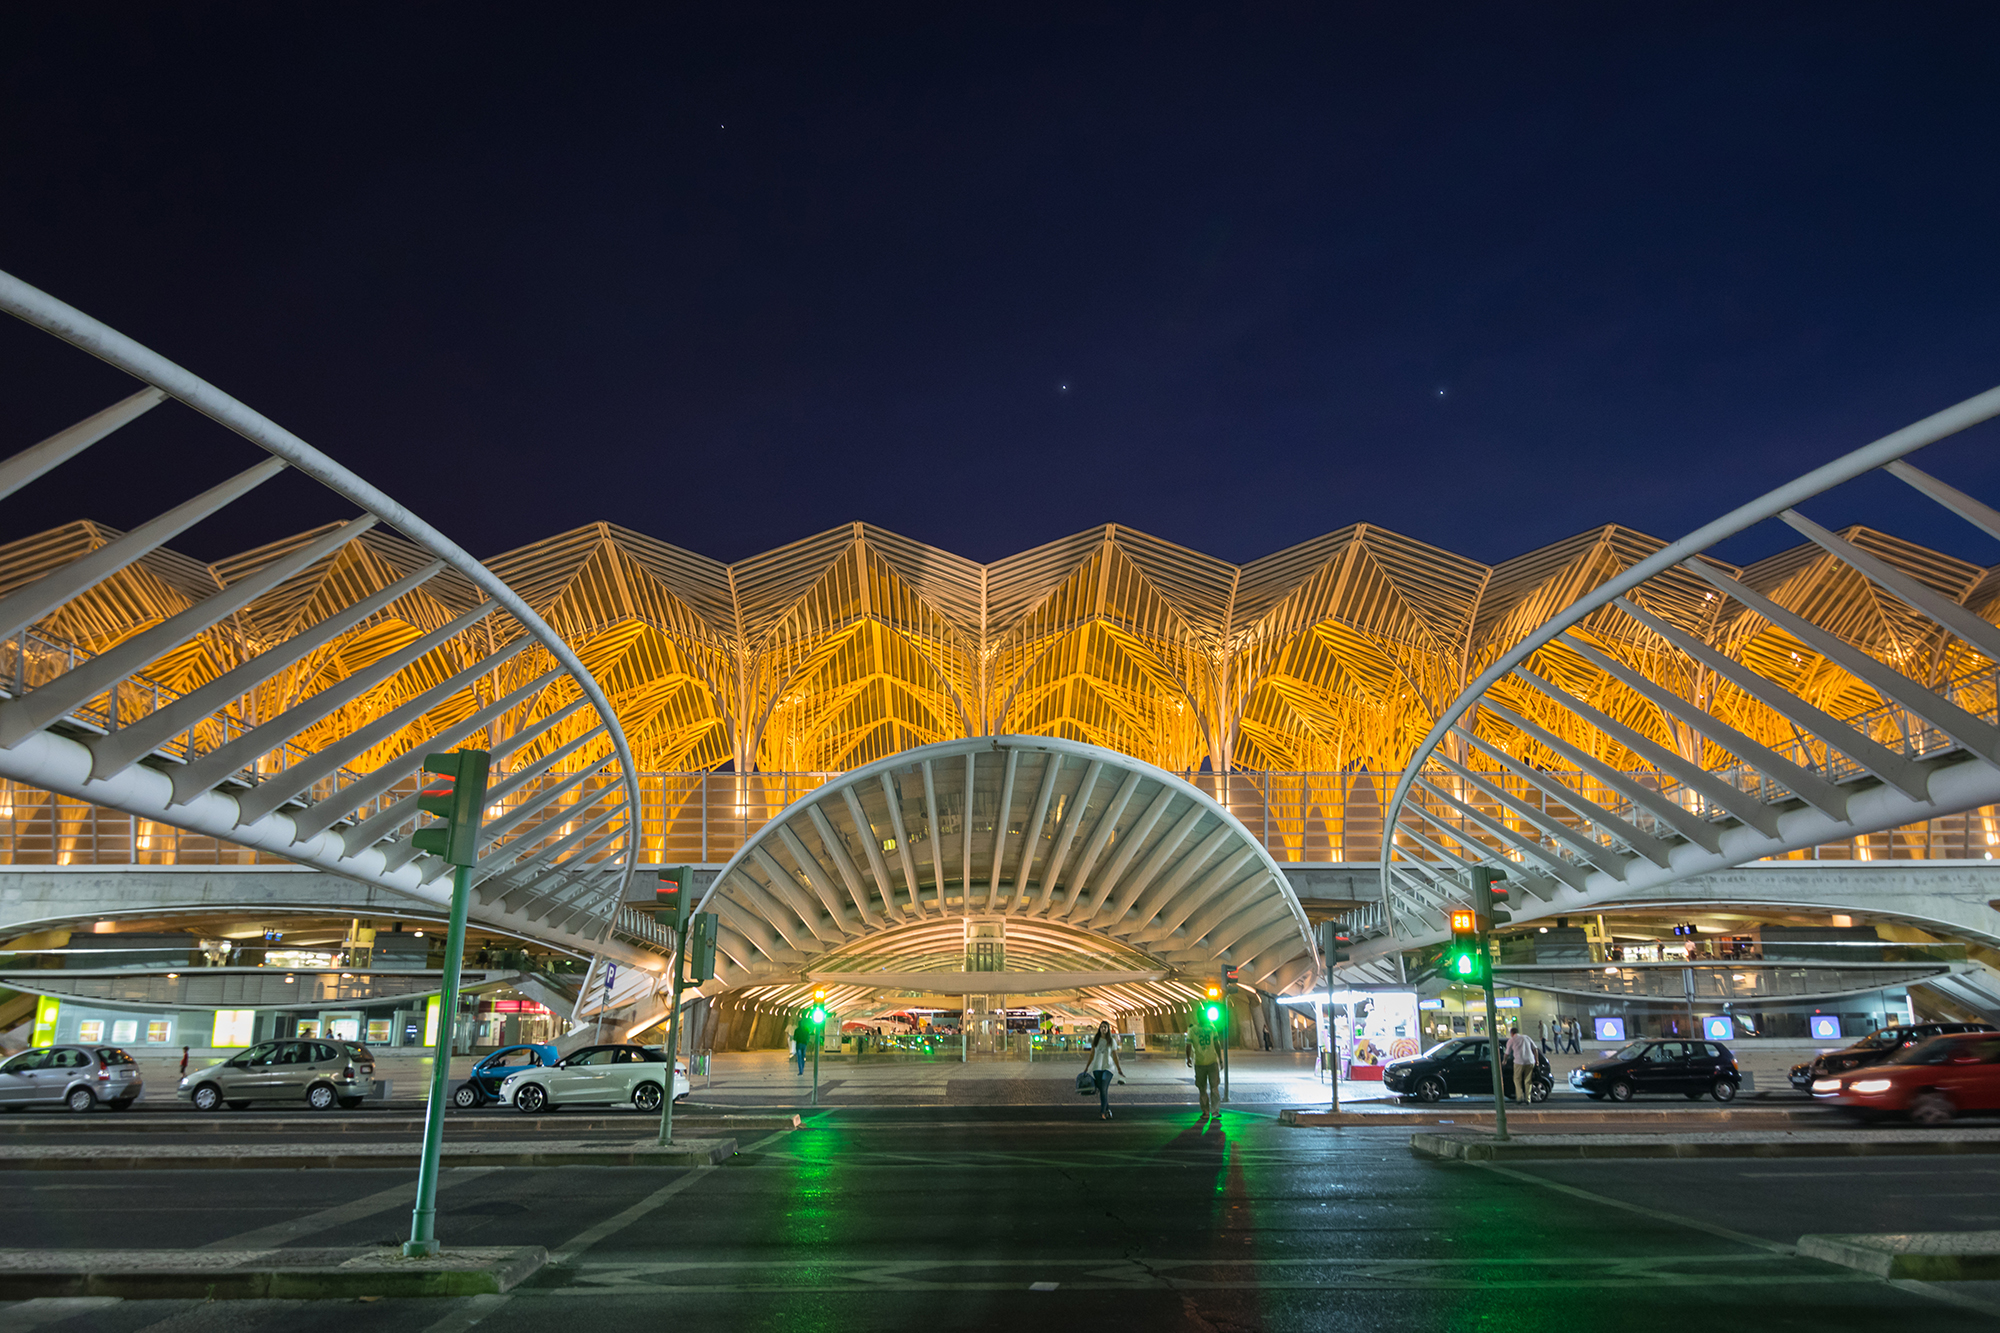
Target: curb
pixel 252 1274
pixel 1927 1256
pixel 1642 1117
pixel 322 1126
pixel 1454 1148
pixel 696 1152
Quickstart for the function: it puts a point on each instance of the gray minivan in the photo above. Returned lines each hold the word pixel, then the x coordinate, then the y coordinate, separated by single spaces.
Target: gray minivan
pixel 78 1077
pixel 320 1073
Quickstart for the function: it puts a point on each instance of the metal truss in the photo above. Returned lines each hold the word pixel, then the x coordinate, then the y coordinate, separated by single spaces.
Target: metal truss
pixel 1683 716
pixel 285 703
pixel 1107 875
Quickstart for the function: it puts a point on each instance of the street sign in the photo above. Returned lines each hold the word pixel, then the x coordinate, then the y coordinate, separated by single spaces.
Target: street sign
pixel 610 977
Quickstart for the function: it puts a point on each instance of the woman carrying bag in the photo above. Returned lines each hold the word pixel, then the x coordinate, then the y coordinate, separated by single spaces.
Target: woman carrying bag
pixel 1103 1060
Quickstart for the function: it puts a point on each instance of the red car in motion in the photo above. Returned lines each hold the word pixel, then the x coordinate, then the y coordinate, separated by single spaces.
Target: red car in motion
pixel 1930 1083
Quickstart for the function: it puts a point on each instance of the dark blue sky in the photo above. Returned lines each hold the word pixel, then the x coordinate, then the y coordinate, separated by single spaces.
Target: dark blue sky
pixel 1487 275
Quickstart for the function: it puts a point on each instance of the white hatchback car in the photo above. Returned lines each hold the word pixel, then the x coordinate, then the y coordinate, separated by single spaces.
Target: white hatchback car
pixel 596 1076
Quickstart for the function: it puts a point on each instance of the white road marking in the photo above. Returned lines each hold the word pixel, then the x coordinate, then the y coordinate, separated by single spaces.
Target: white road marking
pixel 339 1215
pixel 617 1222
pixel 1658 1215
pixel 468 1314
pixel 48 1309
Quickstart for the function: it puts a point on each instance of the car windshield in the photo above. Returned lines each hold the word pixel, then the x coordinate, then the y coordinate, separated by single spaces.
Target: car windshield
pixel 1443 1048
pixel 1880 1041
pixel 1632 1052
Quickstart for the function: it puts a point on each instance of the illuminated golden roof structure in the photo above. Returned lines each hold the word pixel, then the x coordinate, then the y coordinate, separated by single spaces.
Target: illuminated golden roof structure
pixel 858 644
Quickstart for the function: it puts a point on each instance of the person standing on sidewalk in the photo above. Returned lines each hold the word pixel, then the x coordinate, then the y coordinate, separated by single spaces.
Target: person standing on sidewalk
pixel 1521 1053
pixel 802 1035
pixel 1103 1060
pixel 1205 1054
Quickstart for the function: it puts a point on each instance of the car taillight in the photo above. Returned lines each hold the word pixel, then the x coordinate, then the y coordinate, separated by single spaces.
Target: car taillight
pixel 103 1073
pixel 347 1072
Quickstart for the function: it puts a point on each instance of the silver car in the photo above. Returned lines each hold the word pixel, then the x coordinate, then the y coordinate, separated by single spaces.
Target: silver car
pixel 78 1077
pixel 322 1074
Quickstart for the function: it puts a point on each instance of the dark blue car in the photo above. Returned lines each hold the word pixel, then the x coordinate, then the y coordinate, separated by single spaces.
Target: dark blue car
pixel 482 1085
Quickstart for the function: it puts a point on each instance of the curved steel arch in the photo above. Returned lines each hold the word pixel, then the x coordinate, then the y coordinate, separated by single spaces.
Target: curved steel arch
pixel 1075 842
pixel 1526 787
pixel 445 653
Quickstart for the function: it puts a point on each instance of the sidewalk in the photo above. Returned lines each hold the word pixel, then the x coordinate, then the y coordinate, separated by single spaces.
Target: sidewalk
pixel 767 1078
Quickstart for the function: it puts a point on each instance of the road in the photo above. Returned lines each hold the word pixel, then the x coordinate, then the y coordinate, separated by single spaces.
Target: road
pixel 953 1217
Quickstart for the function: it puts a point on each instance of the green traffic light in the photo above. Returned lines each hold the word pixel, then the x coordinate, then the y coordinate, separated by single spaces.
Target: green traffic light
pixel 1214 1014
pixel 818 1015
pixel 1466 965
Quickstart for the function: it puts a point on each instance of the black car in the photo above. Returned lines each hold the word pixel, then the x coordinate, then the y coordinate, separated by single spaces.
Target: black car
pixel 1690 1068
pixel 1874 1048
pixel 1460 1066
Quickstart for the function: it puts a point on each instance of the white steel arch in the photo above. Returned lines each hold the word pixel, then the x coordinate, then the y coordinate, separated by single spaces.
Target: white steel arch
pixel 1111 875
pixel 1513 775
pixel 441 654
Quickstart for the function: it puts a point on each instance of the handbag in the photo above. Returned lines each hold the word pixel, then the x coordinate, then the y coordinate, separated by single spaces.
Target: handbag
pixel 1086 1084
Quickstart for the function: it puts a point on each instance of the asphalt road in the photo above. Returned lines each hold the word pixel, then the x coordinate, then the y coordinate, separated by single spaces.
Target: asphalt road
pixel 948 1218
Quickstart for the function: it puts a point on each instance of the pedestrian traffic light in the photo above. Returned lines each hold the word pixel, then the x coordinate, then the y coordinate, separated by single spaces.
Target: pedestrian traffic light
pixel 1333 941
pixel 455 792
pixel 700 937
pixel 1489 900
pixel 673 896
pixel 817 1014
pixel 1214 990
pixel 1465 959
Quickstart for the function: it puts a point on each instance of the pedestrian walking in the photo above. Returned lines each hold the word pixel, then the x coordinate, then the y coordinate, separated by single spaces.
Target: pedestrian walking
pixel 1204 1051
pixel 1103 1060
pixel 184 1061
pixel 801 1037
pixel 1521 1051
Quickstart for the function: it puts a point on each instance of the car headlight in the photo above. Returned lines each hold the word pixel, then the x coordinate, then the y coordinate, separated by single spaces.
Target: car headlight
pixel 1826 1085
pixel 1869 1085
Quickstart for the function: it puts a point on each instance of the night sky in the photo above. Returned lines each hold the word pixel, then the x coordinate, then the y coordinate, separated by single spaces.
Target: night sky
pixel 987 275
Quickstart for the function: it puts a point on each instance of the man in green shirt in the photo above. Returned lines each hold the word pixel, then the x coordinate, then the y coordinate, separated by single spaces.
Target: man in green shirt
pixel 1205 1054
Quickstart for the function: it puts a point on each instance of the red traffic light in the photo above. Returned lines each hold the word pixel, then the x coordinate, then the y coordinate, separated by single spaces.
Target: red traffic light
pixel 438 786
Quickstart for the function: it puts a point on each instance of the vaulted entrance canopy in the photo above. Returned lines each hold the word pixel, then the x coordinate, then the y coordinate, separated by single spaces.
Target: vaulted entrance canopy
pixel 1024 864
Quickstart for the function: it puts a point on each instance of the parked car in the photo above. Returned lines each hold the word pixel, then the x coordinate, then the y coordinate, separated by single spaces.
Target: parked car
pixel 1459 1066
pixel 321 1073
pixel 482 1085
pixel 78 1077
pixel 1930 1083
pixel 1690 1068
pixel 598 1076
pixel 1874 1048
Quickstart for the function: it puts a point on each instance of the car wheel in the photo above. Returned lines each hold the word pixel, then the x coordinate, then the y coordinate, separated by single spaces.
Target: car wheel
pixel 1621 1091
pixel 1722 1090
pixel 320 1097
pixel 1430 1089
pixel 646 1096
pixel 530 1098
pixel 207 1097
pixel 1539 1090
pixel 1931 1108
pixel 467 1097
pixel 349 1103
pixel 80 1099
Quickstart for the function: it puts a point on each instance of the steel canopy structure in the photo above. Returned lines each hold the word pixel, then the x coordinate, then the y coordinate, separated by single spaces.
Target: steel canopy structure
pixel 286 702
pixel 1006 865
pixel 1629 741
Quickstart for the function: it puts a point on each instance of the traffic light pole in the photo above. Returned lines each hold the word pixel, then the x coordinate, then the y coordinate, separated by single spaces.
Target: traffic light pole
pixel 674 1037
pixel 819 1040
pixel 1493 1041
pixel 423 1220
